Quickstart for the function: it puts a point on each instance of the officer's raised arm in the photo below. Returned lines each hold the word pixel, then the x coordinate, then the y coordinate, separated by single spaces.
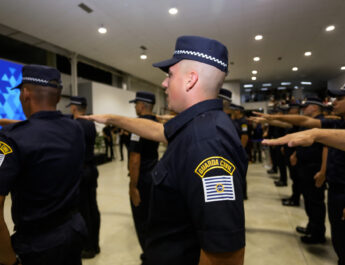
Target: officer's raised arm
pixel 143 127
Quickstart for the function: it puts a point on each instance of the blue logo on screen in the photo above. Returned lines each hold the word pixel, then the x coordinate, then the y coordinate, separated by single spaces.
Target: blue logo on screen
pixel 10 76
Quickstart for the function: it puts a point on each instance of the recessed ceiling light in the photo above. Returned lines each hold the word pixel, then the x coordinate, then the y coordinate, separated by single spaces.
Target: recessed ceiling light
pixel 248 85
pixel 295 69
pixel 264 89
pixel 307 53
pixel 254 72
pixel 267 84
pixel 306 83
pixel 342 68
pixel 102 30
pixel 143 56
pixel 256 59
pixel 259 37
pixel 253 77
pixel 173 11
pixel 247 90
pixel 296 87
pixel 281 88
pixel 330 28
pixel 285 83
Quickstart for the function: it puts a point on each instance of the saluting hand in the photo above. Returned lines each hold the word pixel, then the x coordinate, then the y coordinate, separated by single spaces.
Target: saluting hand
pixel 264 115
pixel 304 138
pixel 320 178
pixel 134 195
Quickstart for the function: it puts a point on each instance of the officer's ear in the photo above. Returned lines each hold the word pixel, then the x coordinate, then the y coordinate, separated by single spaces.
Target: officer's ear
pixel 25 93
pixel 192 79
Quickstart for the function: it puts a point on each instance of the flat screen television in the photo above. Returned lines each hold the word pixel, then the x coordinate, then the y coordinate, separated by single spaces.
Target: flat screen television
pixel 10 76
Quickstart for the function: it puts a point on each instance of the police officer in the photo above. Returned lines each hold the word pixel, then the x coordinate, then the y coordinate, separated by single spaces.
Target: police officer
pixel 294 199
pixel 335 169
pixel 143 157
pixel 88 187
pixel 309 164
pixel 40 164
pixel 196 208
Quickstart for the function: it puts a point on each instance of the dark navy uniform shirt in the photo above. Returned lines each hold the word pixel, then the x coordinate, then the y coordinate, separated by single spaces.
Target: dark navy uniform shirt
pixel 196 197
pixel 40 164
pixel 336 158
pixel 90 134
pixel 310 156
pixel 148 152
pixel 243 126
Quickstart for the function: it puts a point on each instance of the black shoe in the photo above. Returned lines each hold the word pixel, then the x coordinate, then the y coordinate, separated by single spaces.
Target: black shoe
pixel 275 177
pixel 271 171
pixel 98 250
pixel 88 254
pixel 289 202
pixel 280 183
pixel 313 240
pixel 302 230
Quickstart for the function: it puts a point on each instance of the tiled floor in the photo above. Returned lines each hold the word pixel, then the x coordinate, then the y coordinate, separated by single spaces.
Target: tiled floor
pixel 271 236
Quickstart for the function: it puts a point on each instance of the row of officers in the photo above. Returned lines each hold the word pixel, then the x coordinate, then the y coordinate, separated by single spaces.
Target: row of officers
pixel 46 165
pixel 48 168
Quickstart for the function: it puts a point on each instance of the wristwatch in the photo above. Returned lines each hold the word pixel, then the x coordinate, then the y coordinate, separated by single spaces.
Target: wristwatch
pixel 18 261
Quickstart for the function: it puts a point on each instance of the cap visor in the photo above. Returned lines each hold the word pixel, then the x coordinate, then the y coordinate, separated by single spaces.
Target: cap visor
pixel 17 87
pixel 164 65
pixel 336 92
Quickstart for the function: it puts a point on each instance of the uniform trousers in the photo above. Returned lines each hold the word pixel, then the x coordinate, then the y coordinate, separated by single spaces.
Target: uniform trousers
pixel 68 253
pixel 336 204
pixel 88 207
pixel 293 171
pixel 280 160
pixel 140 214
pixel 314 199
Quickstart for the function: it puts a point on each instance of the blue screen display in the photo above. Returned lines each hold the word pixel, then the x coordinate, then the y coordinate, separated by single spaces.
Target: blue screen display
pixel 10 76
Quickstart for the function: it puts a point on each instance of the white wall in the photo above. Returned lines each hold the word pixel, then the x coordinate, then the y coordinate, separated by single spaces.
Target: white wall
pixel 235 88
pixel 109 99
pixel 256 105
pixel 337 82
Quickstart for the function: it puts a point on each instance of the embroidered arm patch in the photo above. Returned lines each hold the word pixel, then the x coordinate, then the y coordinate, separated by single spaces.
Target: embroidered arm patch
pixel 135 138
pixel 218 188
pixel 5 149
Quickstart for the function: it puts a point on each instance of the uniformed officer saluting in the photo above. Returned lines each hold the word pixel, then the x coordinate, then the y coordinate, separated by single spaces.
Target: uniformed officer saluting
pixel 196 208
pixel 40 164
pixel 143 157
pixel 88 186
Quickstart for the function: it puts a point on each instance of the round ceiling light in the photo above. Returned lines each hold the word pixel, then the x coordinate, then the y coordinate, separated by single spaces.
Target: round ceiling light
pixel 173 11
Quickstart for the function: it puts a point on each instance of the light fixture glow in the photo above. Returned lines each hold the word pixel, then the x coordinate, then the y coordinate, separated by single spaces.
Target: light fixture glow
pixel 281 88
pixel 285 83
pixel 342 68
pixel 254 72
pixel 295 69
pixel 307 53
pixel 256 59
pixel 330 28
pixel 102 29
pixel 296 87
pixel 248 85
pixel 253 77
pixel 306 83
pixel 259 37
pixel 173 11
pixel 264 89
pixel 143 56
pixel 267 84
pixel 248 90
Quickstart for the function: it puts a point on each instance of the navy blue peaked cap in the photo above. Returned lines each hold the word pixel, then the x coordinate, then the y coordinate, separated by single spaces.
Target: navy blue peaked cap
pixel 225 94
pixel 80 101
pixel 199 49
pixel 144 96
pixel 236 107
pixel 40 75
pixel 312 100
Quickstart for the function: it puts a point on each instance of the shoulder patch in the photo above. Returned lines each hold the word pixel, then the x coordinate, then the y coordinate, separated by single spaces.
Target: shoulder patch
pixel 135 138
pixel 5 148
pixel 219 188
pixel 244 127
pixel 214 162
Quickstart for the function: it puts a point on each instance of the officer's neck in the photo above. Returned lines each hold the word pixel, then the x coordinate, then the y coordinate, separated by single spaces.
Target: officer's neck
pixel 146 112
pixel 34 109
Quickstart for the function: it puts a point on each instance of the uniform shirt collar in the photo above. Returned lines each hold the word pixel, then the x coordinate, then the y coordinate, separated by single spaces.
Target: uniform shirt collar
pixel 172 127
pixel 45 114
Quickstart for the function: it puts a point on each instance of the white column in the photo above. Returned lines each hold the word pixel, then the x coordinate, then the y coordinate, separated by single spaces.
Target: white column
pixel 74 74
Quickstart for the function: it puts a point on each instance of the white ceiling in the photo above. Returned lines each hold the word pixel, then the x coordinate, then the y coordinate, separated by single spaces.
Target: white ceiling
pixel 289 27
